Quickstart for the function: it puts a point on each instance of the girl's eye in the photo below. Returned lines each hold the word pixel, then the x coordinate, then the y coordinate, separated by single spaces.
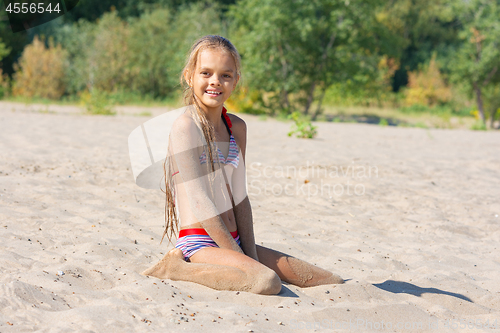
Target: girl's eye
pixel 227 75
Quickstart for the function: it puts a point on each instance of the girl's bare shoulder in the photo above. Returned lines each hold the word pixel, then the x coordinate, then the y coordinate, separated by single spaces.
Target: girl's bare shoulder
pixel 185 134
pixel 183 122
pixel 238 124
pixel 239 129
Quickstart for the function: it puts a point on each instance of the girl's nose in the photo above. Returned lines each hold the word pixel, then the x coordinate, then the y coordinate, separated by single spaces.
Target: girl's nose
pixel 215 81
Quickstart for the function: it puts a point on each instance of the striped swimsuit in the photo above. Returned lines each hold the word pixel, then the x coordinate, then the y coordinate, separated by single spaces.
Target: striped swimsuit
pixel 232 157
pixel 192 240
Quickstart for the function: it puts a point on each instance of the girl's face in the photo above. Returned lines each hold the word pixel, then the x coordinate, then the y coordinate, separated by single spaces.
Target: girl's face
pixel 214 78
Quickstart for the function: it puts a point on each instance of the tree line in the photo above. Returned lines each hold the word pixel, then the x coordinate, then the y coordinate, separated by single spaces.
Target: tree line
pixel 297 54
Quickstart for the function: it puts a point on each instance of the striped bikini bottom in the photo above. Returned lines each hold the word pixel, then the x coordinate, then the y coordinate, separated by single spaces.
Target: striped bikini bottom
pixel 192 240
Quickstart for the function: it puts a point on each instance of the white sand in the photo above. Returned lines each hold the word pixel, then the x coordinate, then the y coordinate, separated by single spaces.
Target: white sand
pixel 418 243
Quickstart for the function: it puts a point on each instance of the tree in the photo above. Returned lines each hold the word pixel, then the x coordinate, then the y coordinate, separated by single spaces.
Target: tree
pixel 294 50
pixel 78 40
pixel 4 51
pixel 477 61
pixel 97 52
pixel 420 28
pixel 142 55
pixel 159 42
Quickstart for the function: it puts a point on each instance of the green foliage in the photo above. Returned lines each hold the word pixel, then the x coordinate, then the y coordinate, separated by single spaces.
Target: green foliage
pixel 145 114
pixel 12 42
pixel 350 93
pixel 421 124
pixel 491 95
pixel 167 37
pixel 419 28
pixel 245 100
pixel 92 10
pixel 478 126
pixel 427 87
pixel 419 108
pixel 4 50
pixel 476 63
pixel 297 55
pixel 78 40
pixel 383 122
pixel 141 56
pixel 445 111
pixel 294 51
pixel 97 102
pixel 150 71
pixel 302 127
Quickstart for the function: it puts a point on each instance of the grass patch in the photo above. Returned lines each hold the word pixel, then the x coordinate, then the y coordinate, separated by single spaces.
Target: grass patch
pixel 135 99
pixel 478 125
pixel 404 117
pixel 98 103
pixel 144 114
pixel 115 98
pixel 415 116
pixel 66 100
pixel 421 124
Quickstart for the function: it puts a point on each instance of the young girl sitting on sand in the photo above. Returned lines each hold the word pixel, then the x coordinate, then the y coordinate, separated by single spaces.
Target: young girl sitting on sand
pixel 216 245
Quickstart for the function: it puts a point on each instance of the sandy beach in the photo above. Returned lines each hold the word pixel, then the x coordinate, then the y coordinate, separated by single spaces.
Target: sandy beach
pixel 409 217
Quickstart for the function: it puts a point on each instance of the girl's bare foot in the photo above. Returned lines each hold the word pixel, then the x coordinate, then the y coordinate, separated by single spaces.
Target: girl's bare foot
pixel 307 275
pixel 333 279
pixel 167 266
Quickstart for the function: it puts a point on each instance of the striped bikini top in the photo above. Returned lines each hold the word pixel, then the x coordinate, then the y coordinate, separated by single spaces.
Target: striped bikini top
pixel 232 158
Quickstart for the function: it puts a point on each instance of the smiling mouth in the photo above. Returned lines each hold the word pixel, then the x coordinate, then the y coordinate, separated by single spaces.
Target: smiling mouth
pixel 213 93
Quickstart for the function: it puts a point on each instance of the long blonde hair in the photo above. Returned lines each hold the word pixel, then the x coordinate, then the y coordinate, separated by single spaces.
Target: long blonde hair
pixel 204 43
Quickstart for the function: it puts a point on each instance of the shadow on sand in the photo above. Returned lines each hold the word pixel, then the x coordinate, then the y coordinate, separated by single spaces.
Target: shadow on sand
pixel 399 287
pixel 286 292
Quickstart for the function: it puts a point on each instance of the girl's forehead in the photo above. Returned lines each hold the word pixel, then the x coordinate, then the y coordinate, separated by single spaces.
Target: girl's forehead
pixel 214 57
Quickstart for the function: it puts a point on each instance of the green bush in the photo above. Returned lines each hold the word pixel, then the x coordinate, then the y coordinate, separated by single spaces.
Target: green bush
pixel 98 102
pixel 138 58
pixel 479 125
pixel 40 71
pixel 302 127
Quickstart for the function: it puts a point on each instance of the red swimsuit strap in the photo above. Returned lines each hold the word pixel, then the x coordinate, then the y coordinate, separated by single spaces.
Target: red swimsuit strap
pixel 226 118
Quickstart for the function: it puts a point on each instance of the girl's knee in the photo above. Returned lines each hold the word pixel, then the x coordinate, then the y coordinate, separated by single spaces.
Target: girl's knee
pixel 267 282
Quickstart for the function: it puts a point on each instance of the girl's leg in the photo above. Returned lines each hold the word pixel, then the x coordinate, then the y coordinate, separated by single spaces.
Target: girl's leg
pixel 220 269
pixel 296 271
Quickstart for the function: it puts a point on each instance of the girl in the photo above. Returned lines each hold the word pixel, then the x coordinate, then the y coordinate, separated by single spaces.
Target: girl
pixel 216 245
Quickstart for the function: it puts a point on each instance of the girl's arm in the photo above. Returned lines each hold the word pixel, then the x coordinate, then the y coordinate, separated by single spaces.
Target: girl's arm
pixel 244 221
pixel 187 142
pixel 242 209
